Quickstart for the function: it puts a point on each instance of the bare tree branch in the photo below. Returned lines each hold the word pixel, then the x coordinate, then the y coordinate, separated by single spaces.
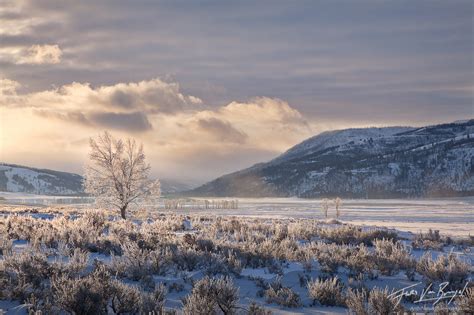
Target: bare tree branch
pixel 118 173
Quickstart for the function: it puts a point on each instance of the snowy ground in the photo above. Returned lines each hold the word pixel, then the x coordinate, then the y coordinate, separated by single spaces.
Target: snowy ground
pixel 288 264
pixel 451 216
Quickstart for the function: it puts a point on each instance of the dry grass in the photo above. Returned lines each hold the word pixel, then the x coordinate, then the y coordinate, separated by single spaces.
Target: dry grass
pixel 55 273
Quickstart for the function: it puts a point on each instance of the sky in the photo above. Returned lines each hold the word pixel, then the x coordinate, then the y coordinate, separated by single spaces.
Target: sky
pixel 210 87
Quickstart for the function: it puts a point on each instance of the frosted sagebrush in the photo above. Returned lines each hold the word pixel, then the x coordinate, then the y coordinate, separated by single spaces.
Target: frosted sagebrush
pixel 281 295
pixel 327 292
pixel 380 302
pixel 445 268
pixel 211 295
pixel 356 302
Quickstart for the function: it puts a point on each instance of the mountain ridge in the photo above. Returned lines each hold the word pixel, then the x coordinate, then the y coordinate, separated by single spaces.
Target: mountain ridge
pixel 42 181
pixel 429 161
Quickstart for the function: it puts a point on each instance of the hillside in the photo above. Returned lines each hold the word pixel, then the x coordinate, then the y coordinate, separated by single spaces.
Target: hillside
pixel 24 179
pixel 432 161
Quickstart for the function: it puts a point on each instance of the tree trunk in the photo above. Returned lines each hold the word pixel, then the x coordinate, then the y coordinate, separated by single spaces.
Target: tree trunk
pixel 122 212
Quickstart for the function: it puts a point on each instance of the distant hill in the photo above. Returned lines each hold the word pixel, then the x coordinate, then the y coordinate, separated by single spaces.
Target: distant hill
pixel 432 161
pixel 24 179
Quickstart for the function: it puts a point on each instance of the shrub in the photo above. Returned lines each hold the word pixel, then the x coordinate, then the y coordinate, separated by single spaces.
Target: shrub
pixel 360 262
pixel 88 295
pixel 330 256
pixel 6 245
pixel 94 219
pixel 356 301
pixel 211 294
pixel 40 303
pixel 381 303
pixel 326 292
pixel 77 261
pixel 154 303
pixel 125 298
pixel 465 304
pixel 134 262
pixel 25 271
pixel 446 268
pixel 391 257
pixel 430 240
pixel 255 309
pixel 352 235
pixel 442 308
pixel 276 293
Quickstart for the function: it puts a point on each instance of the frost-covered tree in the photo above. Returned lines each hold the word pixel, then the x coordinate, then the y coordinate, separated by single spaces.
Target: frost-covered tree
pixel 338 205
pixel 325 206
pixel 117 175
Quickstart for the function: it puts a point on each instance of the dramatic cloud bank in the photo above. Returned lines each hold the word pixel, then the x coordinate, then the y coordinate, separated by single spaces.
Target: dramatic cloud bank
pixel 178 130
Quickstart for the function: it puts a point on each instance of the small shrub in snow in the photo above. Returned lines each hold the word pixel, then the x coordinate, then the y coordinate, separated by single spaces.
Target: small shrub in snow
pixel 41 303
pixel 303 230
pixel 96 220
pixel 284 296
pixel 352 235
pixel 442 308
pixel 360 262
pixel 26 271
pixel 87 295
pixel 391 257
pixel 77 261
pixel 381 303
pixel 125 299
pixel 465 304
pixel 446 268
pixel 431 240
pixel 6 245
pixel 326 292
pixel 134 262
pixel 210 295
pixel 255 309
pixel 154 302
pixel 329 256
pixel 281 232
pixel 356 302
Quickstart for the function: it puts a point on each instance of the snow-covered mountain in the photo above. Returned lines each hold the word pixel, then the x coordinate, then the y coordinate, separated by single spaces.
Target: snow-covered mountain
pixel 368 162
pixel 17 178
pixel 24 179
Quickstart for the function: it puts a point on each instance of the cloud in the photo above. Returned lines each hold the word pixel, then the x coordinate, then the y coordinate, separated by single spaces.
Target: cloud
pixel 132 122
pixel 175 128
pixel 221 130
pixel 41 54
pixel 8 87
pixel 264 108
pixel 153 96
pixel 122 106
pixel 32 55
pixel 75 117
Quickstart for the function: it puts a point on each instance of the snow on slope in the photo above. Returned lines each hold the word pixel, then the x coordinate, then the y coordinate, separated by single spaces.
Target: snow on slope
pixel 334 138
pixel 430 161
pixel 23 179
pixel 16 178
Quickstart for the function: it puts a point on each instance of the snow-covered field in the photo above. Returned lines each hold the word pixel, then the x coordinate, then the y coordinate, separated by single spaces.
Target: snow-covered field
pixel 451 216
pixel 67 258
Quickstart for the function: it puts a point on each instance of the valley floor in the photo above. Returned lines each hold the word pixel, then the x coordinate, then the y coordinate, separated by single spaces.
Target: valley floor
pixel 451 216
pixel 73 260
